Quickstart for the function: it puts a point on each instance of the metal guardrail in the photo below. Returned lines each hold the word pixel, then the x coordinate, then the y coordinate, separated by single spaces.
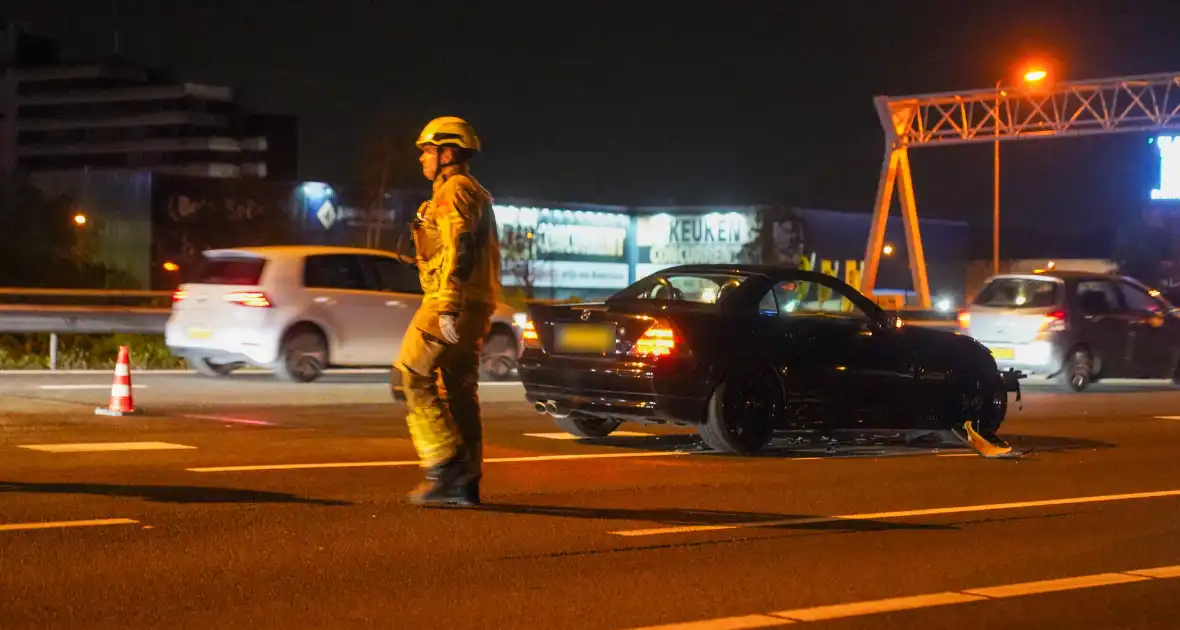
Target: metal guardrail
pixel 25 292
pixel 82 320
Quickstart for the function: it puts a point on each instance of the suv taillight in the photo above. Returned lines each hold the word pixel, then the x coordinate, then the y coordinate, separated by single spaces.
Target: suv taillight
pixel 964 320
pixel 179 295
pixel 1054 322
pixel 657 341
pixel 252 299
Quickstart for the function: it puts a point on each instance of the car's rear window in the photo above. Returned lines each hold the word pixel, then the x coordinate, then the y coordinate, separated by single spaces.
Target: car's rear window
pixel 1019 293
pixel 230 271
pixel 698 288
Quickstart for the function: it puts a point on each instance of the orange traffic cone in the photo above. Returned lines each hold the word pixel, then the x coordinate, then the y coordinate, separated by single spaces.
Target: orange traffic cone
pixel 121 402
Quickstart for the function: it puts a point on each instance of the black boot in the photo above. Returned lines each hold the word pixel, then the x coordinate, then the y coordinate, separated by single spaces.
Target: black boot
pixel 447 484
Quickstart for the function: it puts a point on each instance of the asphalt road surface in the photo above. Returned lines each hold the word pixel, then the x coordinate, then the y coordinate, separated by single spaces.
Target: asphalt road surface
pixel 248 503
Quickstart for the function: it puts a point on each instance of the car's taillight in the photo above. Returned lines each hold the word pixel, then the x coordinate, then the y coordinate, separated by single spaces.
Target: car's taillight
pixel 657 341
pixel 179 295
pixel 1054 322
pixel 252 299
pixel 528 334
pixel 964 320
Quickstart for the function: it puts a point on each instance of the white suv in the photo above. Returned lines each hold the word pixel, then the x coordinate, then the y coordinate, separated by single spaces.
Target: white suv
pixel 300 309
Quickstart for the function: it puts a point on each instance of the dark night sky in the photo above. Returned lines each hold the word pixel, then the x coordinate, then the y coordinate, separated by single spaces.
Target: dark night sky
pixel 747 102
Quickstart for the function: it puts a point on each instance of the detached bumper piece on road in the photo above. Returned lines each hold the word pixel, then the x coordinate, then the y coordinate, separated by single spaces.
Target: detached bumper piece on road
pixel 993 447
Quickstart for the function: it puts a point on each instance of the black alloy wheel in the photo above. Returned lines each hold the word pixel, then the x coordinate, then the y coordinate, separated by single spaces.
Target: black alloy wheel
pixel 743 412
pixel 983 401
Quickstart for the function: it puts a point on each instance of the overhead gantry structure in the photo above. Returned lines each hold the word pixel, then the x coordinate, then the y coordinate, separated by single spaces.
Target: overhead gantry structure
pixel 1030 111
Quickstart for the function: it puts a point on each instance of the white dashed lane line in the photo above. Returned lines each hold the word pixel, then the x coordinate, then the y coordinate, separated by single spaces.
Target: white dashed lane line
pixel 963 509
pixel 929 600
pixel 104 447
pixel 490 460
pixel 20 527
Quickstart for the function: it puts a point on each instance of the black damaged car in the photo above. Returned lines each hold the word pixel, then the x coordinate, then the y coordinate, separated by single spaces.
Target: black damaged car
pixel 744 351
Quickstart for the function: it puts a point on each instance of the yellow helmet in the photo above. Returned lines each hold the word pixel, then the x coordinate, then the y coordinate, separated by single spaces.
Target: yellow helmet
pixel 449 130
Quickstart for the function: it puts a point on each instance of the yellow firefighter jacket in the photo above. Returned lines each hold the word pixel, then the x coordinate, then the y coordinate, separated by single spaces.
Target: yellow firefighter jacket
pixel 458 247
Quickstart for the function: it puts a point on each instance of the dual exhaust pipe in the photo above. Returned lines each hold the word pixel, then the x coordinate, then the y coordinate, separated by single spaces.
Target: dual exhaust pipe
pixel 551 408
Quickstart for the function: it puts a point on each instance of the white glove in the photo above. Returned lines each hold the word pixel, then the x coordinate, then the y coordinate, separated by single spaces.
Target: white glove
pixel 450 328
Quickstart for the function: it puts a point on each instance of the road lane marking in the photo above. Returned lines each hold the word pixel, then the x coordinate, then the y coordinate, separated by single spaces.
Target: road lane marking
pixel 1160 572
pixel 101 447
pixel 893 604
pixel 990 507
pixel 930 600
pixel 1053 586
pixel 17 527
pixel 568 436
pixel 492 460
pixel 1167 417
pixel 73 387
pixel 746 622
pixel 229 419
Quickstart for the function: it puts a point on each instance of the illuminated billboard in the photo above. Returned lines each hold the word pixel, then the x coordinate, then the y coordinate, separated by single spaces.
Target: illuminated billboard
pixel 1169 148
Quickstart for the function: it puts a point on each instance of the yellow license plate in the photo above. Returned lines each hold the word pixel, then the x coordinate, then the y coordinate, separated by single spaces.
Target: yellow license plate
pixel 585 338
pixel 1003 353
pixel 199 333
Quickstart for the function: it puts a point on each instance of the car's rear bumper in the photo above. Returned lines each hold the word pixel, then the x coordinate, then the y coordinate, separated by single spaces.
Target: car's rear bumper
pixel 1038 357
pixel 222 345
pixel 630 392
pixel 622 405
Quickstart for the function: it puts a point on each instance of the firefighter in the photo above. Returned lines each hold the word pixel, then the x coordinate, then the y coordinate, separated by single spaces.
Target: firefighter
pixel 458 256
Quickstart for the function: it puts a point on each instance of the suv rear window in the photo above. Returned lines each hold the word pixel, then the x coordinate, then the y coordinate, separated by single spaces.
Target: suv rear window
pixel 230 271
pixel 1019 293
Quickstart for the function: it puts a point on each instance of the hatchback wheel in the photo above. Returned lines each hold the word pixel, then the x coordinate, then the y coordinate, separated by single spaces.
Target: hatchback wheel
pixel 1077 372
pixel 498 359
pixel 586 426
pixel 205 367
pixel 303 357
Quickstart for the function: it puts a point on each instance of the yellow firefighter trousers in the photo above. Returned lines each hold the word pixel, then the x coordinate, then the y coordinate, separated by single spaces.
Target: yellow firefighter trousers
pixel 445 421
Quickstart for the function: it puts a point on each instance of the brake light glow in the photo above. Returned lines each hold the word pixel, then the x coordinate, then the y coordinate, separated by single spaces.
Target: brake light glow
pixel 179 295
pixel 964 320
pixel 1054 322
pixel 657 341
pixel 528 334
pixel 248 298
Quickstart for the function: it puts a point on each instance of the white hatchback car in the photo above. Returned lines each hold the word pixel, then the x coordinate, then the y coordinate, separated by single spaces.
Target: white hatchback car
pixel 299 309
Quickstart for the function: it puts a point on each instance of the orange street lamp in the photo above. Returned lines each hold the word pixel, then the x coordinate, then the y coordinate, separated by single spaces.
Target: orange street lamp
pixel 1032 75
pixel 79 219
pixel 171 266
